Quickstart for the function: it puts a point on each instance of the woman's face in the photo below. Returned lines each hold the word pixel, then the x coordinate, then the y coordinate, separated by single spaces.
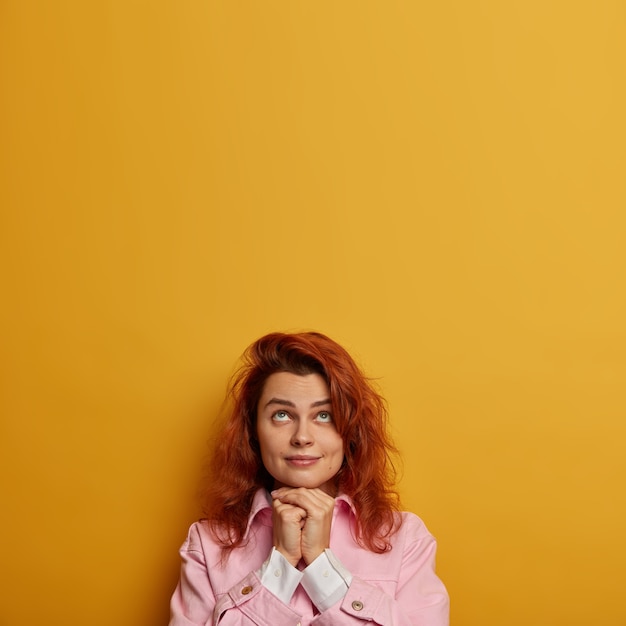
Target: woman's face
pixel 300 445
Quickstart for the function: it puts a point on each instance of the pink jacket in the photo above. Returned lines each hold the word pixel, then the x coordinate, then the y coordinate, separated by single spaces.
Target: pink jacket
pixel 397 588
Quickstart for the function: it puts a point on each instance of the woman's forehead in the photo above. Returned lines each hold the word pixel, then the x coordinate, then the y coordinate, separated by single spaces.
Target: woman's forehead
pixel 294 388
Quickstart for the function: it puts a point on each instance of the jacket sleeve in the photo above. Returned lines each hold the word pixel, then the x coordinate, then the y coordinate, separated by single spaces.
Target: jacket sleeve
pixel 248 602
pixel 420 598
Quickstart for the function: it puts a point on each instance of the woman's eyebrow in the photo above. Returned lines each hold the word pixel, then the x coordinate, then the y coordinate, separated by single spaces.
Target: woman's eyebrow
pixel 282 402
pixel 321 402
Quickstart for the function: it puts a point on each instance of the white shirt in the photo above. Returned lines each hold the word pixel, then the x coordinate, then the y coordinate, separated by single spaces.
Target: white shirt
pixel 325 580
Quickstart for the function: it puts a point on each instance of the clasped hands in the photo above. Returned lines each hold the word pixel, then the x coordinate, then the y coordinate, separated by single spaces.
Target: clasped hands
pixel 301 521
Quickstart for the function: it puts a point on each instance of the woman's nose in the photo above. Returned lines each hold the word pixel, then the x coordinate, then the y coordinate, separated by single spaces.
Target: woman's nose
pixel 302 435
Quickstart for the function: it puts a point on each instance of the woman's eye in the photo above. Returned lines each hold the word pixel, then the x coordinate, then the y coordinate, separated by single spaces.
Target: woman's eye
pixel 324 416
pixel 281 416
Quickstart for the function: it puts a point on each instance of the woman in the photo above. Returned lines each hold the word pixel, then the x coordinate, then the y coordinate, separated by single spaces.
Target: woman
pixel 303 524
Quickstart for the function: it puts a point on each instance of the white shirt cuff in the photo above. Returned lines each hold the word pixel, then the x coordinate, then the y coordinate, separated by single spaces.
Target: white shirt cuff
pixel 326 580
pixel 279 576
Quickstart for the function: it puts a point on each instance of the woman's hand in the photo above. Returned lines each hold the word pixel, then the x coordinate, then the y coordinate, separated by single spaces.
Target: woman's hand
pixel 287 523
pixel 302 519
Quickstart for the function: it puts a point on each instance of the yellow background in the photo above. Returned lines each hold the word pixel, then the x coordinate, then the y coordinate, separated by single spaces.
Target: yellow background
pixel 440 186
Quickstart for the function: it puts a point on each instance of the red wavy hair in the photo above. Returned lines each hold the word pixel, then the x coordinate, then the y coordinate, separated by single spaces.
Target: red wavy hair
pixel 360 415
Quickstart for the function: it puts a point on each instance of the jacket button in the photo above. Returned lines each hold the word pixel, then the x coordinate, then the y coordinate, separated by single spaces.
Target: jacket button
pixel 246 590
pixel 357 606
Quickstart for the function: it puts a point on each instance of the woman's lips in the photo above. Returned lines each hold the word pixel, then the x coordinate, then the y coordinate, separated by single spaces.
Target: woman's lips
pixel 302 460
